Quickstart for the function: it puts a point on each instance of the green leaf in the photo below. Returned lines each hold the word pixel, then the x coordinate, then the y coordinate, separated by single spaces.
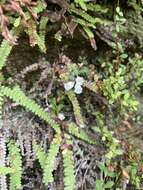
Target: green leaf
pixel 109 184
pixel 99 185
pixel 50 160
pixel 82 4
pixel 68 162
pixel 5 50
pixel 17 22
pixel 88 32
pixel 5 170
pixel 15 159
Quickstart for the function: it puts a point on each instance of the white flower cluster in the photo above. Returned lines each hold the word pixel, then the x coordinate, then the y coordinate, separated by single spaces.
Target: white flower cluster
pixel 61 116
pixel 77 85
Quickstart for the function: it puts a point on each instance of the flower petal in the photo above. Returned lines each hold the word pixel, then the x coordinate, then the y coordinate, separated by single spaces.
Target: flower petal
pixel 69 85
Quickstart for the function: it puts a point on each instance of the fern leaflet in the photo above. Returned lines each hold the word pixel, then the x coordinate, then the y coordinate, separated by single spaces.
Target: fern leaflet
pixel 16 164
pixel 1 105
pixel 83 14
pixel 40 6
pixel 81 134
pixel 19 97
pixel 40 154
pixel 3 169
pixel 76 108
pixel 82 4
pixel 5 50
pixel 32 32
pixel 42 33
pixel 50 160
pixel 68 162
pixel 82 22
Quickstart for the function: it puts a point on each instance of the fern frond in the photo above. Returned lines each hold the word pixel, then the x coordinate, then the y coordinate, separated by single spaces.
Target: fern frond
pixel 42 33
pixel 83 14
pixel 76 108
pixel 79 133
pixel 28 150
pixel 40 154
pixel 40 7
pixel 16 164
pixel 34 37
pixel 89 32
pixel 82 4
pixel 31 68
pixel 5 50
pixel 1 105
pixel 90 36
pixel 3 170
pixel 32 32
pixel 97 8
pixel 82 22
pixel 68 163
pixel 19 97
pixel 50 160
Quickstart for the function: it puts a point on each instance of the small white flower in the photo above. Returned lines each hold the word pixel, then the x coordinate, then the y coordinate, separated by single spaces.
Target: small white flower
pixel 78 89
pixel 61 116
pixel 79 80
pixel 82 126
pixel 69 85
